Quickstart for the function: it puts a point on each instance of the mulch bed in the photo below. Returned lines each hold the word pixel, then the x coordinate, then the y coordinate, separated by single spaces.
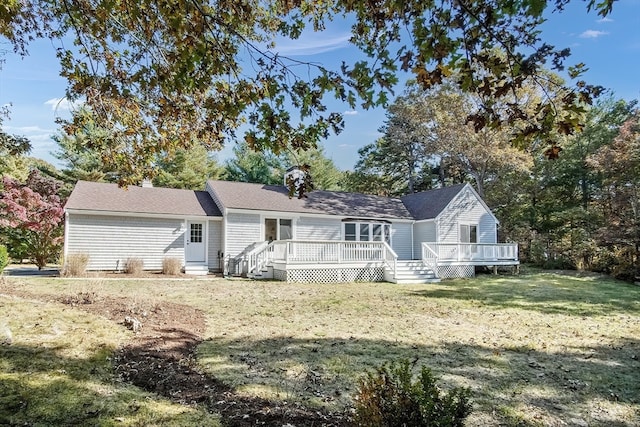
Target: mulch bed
pixel 160 358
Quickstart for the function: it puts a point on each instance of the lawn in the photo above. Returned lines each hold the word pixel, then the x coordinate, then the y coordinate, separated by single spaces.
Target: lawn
pixel 536 349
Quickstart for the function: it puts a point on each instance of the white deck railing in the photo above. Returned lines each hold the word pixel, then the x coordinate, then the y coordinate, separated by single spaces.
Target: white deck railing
pixel 479 252
pixel 321 252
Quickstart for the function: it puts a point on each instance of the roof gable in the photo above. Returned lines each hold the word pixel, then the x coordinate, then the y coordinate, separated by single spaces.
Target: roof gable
pixel 98 196
pixel 429 204
pixel 260 197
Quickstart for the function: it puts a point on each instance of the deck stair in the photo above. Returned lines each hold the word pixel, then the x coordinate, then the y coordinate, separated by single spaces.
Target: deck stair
pixel 413 271
pixel 265 273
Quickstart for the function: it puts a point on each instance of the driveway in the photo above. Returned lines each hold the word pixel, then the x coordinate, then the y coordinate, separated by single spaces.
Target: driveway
pixel 25 270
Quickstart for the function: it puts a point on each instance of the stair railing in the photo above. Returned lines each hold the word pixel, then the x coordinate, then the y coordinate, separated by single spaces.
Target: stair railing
pixel 430 258
pixel 390 258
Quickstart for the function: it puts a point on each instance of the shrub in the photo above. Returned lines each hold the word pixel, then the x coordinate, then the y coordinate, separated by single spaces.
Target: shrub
pixel 171 266
pixel 4 258
pixel 75 265
pixel 134 266
pixel 390 397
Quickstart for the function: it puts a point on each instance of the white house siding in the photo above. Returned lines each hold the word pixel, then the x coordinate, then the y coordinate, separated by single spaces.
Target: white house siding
pixel 308 228
pixel 466 209
pixel 423 232
pixel 401 239
pixel 215 245
pixel 110 240
pixel 242 231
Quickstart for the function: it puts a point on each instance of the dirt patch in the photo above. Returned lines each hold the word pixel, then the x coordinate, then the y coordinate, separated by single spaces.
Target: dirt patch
pixel 160 358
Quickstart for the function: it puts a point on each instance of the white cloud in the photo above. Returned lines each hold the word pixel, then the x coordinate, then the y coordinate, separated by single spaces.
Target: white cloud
pixel 604 20
pixel 63 104
pixel 31 130
pixel 593 34
pixel 312 45
pixel 41 143
pixel 350 113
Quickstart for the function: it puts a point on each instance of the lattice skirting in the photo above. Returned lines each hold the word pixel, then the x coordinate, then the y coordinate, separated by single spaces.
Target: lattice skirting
pixel 331 275
pixel 455 271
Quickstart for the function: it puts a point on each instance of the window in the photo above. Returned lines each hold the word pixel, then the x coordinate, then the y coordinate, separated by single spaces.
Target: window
pixel 468 233
pixel 286 229
pixel 364 232
pixel 350 232
pixel 278 229
pixel 377 232
pixel 473 234
pixel 196 233
pixel 367 231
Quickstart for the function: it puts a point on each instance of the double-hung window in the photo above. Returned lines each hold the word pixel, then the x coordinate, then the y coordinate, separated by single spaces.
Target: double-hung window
pixel 367 231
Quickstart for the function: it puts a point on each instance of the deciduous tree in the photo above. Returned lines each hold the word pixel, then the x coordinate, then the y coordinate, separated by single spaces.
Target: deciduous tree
pixel 619 165
pixel 34 213
pixel 168 74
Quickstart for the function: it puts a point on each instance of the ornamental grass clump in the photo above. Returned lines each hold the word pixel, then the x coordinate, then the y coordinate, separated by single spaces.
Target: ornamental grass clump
pixel 134 266
pixel 171 266
pixel 390 397
pixel 75 265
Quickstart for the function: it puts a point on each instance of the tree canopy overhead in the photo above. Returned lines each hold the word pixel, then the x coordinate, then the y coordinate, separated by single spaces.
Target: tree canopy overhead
pixel 166 74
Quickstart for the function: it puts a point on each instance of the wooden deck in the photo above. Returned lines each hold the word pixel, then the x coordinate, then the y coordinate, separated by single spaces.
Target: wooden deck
pixel 344 260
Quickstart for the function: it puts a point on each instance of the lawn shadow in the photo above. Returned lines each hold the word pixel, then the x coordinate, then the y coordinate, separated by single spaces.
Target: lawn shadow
pixel 545 293
pixel 523 387
pixel 38 386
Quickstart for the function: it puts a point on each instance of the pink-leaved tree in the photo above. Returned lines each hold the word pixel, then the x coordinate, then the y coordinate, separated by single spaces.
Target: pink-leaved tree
pixel 33 214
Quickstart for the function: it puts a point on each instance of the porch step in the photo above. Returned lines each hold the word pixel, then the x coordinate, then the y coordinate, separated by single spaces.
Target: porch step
pixel 410 272
pixel 196 269
pixel 265 273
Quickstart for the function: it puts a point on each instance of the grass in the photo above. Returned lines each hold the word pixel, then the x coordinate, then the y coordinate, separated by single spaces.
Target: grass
pixel 538 349
pixel 55 369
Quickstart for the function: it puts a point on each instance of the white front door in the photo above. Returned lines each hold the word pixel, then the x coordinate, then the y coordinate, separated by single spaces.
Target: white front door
pixel 195 241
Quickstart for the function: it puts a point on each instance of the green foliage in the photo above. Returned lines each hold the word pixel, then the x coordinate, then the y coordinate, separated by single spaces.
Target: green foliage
pixel 156 80
pixel 187 169
pixel 79 161
pixel 4 258
pixel 391 397
pixel 578 211
pixel 16 242
pixel 249 166
pixel 326 176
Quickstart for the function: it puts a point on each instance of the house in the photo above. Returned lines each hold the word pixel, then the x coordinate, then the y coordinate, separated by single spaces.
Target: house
pixel 258 231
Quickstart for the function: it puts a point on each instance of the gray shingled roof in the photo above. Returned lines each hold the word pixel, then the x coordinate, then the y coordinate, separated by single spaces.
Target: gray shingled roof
pixel 260 197
pixel 97 196
pixel 429 204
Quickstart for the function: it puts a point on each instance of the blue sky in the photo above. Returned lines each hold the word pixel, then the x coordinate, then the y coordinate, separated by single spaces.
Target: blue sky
pixel 610 47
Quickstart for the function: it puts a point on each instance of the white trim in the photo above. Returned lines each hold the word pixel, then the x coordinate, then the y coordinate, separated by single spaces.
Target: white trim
pixel 223 244
pixel 65 249
pixel 413 232
pixel 205 239
pixel 142 215
pixel 286 214
pixel 422 221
